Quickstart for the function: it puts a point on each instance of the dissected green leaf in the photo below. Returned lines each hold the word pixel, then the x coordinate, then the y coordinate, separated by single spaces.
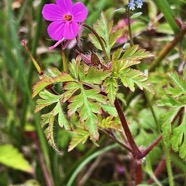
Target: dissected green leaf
pixel 166 121
pixel 135 54
pixel 74 67
pixel 175 92
pixel 79 136
pixel 47 99
pixel 132 56
pixel 178 138
pixel 71 88
pixel 49 133
pixel 130 77
pixel 109 109
pixel 114 36
pixel 88 74
pixel 170 101
pixel 110 123
pixel 103 27
pixel 86 103
pixel 95 76
pixel 111 89
pixel 44 82
pixel 47 120
pixel 11 157
pixel 179 85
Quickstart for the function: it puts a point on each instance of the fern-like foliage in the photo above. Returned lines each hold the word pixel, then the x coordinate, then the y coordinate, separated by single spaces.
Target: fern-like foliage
pixel 110 123
pixel 122 64
pixel 104 29
pixel 49 99
pixel 111 89
pixel 89 90
pixel 121 70
pixel 175 97
pixel 51 77
pixel 178 138
pixel 79 136
pixel 131 77
pixel 81 95
pixel 85 102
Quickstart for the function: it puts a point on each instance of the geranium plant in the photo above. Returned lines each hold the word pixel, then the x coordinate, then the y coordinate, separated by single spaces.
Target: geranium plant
pixel 93 87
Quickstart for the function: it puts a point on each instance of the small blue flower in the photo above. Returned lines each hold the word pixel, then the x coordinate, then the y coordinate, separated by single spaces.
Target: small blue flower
pixel 139 3
pixel 131 5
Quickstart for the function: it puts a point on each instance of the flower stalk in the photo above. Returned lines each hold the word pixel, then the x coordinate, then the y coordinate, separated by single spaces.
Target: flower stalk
pixel 64 63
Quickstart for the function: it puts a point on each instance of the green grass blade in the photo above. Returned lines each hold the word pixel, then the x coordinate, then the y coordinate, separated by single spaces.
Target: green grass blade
pixel 164 6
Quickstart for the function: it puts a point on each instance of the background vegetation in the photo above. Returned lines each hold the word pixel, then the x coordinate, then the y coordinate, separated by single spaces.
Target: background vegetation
pixel 25 156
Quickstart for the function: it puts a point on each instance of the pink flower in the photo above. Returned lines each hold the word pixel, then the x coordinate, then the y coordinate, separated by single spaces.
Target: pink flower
pixel 66 19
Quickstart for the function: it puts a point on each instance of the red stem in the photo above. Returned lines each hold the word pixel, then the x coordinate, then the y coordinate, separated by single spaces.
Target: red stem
pixel 144 153
pixel 138 172
pixel 131 172
pixel 135 151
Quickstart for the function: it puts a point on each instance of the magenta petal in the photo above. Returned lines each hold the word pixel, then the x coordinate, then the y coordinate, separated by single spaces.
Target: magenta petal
pixel 79 12
pixel 52 12
pixel 55 30
pixel 70 30
pixel 65 5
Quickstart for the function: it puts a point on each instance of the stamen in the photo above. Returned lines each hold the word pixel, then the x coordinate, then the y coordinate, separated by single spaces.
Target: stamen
pixel 67 17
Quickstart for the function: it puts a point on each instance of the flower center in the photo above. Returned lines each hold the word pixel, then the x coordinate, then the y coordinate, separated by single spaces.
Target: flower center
pixel 67 17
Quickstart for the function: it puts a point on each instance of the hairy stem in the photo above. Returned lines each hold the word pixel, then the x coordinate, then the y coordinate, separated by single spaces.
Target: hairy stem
pixel 168 165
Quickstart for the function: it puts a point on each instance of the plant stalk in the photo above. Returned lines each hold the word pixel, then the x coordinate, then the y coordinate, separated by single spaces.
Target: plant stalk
pixel 129 28
pixel 64 61
pixel 135 151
